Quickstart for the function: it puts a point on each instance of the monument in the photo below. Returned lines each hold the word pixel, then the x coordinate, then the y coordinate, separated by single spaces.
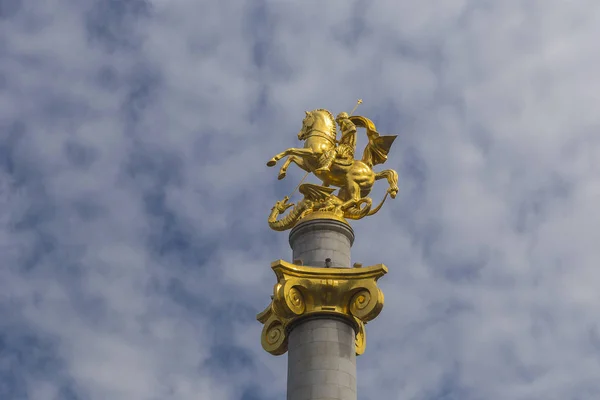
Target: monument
pixel 320 302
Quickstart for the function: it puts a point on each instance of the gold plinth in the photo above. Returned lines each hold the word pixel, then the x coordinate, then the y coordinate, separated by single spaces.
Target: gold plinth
pixel 303 291
pixel 324 215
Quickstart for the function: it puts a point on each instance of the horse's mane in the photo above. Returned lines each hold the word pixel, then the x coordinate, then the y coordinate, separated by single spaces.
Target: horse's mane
pixel 333 129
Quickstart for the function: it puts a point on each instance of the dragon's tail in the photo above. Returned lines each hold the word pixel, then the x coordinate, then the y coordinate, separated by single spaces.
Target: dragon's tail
pixel 373 211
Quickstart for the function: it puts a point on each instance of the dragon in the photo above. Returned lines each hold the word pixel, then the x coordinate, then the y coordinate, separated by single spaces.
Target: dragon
pixel 317 198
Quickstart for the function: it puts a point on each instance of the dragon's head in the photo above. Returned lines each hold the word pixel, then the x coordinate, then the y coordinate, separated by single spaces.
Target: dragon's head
pixel 283 205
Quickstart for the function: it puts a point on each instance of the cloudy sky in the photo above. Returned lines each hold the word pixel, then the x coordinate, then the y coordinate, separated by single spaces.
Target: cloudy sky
pixel 134 193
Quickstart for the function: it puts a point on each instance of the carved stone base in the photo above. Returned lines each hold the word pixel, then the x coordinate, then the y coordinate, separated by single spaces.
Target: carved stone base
pixel 304 291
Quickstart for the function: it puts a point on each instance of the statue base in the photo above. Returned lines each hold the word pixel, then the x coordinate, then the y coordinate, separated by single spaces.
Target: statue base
pixel 326 215
pixel 319 309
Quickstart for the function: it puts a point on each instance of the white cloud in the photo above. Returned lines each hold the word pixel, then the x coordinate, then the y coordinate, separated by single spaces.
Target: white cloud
pixel 143 250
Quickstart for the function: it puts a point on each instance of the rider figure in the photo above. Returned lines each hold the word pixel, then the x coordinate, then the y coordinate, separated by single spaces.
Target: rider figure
pixel 347 144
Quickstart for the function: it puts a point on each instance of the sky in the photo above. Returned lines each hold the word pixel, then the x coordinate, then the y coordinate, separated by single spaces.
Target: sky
pixel 134 246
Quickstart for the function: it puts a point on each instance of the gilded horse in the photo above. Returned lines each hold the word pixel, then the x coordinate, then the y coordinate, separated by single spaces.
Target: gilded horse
pixel 355 178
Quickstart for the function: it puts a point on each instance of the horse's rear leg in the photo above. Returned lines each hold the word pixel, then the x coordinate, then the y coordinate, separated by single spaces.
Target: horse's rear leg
pixel 392 178
pixel 352 193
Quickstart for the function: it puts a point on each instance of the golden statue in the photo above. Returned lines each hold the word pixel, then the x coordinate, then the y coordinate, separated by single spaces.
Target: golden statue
pixel 333 162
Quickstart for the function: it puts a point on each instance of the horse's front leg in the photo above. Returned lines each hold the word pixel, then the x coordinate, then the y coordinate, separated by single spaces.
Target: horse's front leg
pixel 292 159
pixel 302 153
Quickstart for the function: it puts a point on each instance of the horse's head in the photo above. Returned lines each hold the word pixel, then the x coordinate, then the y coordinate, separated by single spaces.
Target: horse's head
pixel 320 121
pixel 307 123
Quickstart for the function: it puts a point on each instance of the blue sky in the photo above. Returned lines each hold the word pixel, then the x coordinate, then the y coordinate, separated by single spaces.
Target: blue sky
pixel 134 193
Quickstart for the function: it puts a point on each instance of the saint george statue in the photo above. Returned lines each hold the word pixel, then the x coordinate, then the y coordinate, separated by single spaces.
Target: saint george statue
pixel 332 161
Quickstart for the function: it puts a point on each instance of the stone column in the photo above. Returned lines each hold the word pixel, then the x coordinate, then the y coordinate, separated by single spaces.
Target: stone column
pixel 315 241
pixel 319 309
pixel 321 348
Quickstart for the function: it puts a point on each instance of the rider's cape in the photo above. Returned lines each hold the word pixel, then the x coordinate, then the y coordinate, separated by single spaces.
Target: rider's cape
pixel 379 146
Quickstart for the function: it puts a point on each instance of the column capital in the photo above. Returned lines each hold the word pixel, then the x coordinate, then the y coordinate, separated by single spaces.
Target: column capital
pixel 304 291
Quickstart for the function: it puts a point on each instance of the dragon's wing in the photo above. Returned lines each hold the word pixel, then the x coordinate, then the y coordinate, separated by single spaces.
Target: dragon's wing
pixel 316 192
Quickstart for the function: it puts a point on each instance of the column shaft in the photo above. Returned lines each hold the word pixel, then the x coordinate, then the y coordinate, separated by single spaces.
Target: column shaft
pixel 315 241
pixel 322 360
